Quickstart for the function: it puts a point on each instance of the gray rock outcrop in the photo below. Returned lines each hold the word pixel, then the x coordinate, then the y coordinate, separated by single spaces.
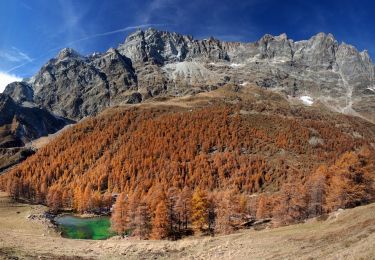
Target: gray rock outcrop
pixel 19 125
pixel 152 63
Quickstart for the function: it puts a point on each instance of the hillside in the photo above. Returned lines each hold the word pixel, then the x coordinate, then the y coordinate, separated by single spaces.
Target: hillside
pixel 228 144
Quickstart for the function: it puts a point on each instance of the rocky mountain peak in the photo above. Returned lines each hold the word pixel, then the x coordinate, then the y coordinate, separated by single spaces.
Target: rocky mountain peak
pixel 135 35
pixel 67 53
pixel 317 52
pixel 323 42
pixel 324 36
pixel 282 37
pixel 153 62
pixel 161 47
pixel 270 37
pixel 20 92
pixel 279 47
pixel 112 53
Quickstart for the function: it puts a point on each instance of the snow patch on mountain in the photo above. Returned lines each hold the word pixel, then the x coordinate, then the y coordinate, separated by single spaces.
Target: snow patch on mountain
pixel 236 65
pixel 371 88
pixel 307 100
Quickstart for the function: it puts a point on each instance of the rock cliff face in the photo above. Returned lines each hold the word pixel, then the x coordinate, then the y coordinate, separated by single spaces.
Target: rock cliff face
pixel 335 74
pixel 20 91
pixel 74 86
pixel 19 124
pixel 152 63
pixel 165 47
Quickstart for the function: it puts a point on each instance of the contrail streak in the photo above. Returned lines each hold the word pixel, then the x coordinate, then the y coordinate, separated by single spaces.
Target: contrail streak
pixel 125 29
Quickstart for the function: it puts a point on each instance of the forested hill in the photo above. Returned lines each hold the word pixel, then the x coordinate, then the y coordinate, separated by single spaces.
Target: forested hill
pixel 198 163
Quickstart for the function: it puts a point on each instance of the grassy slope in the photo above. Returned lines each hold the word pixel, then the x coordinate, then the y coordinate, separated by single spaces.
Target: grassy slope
pixel 348 234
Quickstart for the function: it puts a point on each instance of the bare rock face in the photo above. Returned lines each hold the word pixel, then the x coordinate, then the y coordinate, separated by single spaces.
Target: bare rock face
pixel 279 47
pixel 74 86
pixel 321 68
pixel 165 47
pixel 318 52
pixel 119 76
pixel 19 124
pixel 20 91
pixel 152 63
pixel 70 86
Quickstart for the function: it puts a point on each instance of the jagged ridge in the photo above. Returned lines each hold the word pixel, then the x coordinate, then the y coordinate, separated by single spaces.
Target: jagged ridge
pixel 152 63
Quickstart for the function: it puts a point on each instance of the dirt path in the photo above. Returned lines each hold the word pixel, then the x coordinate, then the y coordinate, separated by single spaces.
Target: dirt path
pixel 347 234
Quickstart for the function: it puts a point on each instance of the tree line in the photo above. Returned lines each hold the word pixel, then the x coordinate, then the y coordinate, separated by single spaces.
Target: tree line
pixel 207 170
pixel 349 182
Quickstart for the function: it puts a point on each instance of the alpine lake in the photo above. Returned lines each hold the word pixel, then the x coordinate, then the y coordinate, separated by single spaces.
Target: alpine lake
pixel 95 228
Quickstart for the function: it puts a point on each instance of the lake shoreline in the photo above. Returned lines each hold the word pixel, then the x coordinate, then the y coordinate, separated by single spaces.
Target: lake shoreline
pixel 22 239
pixel 49 219
pixel 81 215
pixel 88 228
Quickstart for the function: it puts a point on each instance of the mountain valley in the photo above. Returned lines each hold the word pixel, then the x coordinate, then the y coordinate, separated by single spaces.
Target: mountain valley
pixel 174 137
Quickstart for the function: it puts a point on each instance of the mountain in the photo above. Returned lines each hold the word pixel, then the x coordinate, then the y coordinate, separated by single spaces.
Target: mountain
pixel 21 124
pixel 226 134
pixel 154 63
pixel 20 91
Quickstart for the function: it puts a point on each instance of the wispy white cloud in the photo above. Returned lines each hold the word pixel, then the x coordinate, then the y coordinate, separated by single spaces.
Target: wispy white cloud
pixel 21 65
pixel 168 11
pixel 22 54
pixel 14 55
pixel 155 6
pixel 121 30
pixel 6 78
pixel 72 17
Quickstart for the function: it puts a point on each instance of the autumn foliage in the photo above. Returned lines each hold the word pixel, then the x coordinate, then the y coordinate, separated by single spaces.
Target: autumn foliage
pixel 173 171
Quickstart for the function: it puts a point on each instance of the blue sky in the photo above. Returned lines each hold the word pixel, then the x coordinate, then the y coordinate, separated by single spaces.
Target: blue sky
pixel 32 31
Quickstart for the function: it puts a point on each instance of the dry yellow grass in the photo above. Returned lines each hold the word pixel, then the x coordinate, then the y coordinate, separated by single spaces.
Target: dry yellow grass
pixel 348 234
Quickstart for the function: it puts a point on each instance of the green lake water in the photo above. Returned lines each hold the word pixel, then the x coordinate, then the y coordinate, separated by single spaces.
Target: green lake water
pixel 96 228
